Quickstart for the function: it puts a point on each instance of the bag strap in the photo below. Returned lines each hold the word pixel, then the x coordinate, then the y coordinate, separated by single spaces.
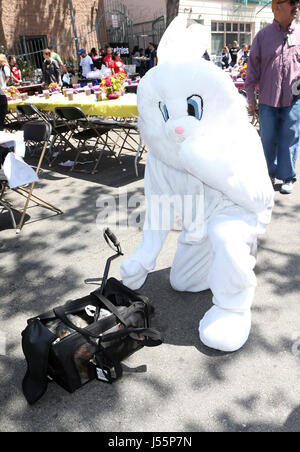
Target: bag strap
pixel 61 312
pixel 110 306
pixel 124 332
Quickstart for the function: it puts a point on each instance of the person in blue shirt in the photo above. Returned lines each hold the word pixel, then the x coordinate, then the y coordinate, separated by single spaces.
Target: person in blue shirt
pixel 152 55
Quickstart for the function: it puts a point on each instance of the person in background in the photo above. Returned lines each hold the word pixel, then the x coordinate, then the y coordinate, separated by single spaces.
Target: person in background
pixel 233 53
pixel 57 58
pixel 102 55
pixel 4 78
pixel 51 71
pixel 143 66
pixel 242 54
pixel 86 64
pixel 95 57
pixel 119 65
pixel 135 58
pixel 274 65
pixel 107 60
pixel 225 58
pixel 152 55
pixel 16 75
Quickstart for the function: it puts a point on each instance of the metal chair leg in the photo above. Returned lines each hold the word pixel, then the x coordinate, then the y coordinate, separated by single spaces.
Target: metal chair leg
pixel 5 206
pixel 30 195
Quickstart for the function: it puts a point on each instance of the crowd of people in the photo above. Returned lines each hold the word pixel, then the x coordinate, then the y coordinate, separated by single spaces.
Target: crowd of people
pixel 54 69
pixel 233 54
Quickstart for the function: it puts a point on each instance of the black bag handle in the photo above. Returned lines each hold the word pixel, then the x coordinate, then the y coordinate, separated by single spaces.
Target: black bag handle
pixel 124 332
pixel 110 306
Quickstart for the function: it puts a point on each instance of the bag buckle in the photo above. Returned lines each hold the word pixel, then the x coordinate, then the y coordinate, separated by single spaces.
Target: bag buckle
pixel 103 372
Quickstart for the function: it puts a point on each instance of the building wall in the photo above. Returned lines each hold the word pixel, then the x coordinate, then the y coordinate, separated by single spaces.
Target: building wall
pixel 208 11
pixel 49 17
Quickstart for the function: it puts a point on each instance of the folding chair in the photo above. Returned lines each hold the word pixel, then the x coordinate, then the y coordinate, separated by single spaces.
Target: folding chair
pixel 38 132
pixel 5 204
pixel 60 132
pixel 14 122
pixel 126 131
pixel 85 131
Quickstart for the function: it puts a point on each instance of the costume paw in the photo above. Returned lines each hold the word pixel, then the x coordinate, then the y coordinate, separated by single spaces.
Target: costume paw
pixel 225 330
pixel 133 274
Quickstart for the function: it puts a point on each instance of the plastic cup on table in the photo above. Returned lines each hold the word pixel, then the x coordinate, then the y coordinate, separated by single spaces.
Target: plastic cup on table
pixel 87 91
pixel 36 93
pixel 70 95
pixel 90 85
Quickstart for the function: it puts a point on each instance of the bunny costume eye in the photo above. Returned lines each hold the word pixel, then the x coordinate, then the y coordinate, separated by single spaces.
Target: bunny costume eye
pixel 195 106
pixel 164 111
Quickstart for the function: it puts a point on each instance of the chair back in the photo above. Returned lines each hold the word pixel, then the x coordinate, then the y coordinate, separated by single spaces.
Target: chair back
pixel 37 131
pixel 28 110
pixel 70 113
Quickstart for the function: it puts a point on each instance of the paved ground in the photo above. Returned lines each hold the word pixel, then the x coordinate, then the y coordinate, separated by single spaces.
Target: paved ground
pixel 188 387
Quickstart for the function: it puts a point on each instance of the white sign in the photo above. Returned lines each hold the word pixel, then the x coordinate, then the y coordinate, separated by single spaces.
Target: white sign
pixel 114 20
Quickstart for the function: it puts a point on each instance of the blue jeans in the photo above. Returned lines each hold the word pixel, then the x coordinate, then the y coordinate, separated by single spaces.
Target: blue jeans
pixel 280 133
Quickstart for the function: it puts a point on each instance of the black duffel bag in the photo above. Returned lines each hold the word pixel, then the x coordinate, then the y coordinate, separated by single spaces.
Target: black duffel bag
pixel 86 338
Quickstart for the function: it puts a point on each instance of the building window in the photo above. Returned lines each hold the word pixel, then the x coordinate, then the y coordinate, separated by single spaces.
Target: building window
pixel 224 33
pixel 32 47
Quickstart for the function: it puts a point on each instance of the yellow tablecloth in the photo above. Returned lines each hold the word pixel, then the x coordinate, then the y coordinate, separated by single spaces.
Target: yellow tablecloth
pixel 124 107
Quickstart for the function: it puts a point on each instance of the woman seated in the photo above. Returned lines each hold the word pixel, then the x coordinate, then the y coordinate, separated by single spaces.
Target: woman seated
pixel 225 58
pixel 119 65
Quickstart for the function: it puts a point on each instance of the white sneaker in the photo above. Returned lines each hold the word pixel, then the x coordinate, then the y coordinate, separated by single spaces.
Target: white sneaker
pixel 287 187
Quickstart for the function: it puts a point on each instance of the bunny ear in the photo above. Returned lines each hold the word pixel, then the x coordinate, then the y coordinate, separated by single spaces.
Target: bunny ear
pixel 196 40
pixel 171 39
pixel 180 40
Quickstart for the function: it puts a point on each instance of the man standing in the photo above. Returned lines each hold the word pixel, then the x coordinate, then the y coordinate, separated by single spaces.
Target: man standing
pixel 152 55
pixel 57 58
pixel 274 64
pixel 51 71
pixel 86 63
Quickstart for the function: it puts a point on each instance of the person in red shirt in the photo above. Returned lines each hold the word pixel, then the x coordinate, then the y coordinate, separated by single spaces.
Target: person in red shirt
pixel 107 60
pixel 119 66
pixel 15 71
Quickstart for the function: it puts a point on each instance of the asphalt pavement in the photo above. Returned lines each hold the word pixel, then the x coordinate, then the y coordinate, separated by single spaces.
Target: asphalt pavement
pixel 187 387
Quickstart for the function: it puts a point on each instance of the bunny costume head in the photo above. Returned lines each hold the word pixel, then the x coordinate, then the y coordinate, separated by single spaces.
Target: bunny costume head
pixel 187 96
pixel 201 147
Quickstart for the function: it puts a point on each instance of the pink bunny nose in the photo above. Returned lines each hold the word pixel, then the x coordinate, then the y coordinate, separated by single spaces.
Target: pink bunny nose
pixel 179 130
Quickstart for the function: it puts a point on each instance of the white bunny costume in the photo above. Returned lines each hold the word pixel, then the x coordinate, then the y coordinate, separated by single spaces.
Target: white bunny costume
pixel 203 152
